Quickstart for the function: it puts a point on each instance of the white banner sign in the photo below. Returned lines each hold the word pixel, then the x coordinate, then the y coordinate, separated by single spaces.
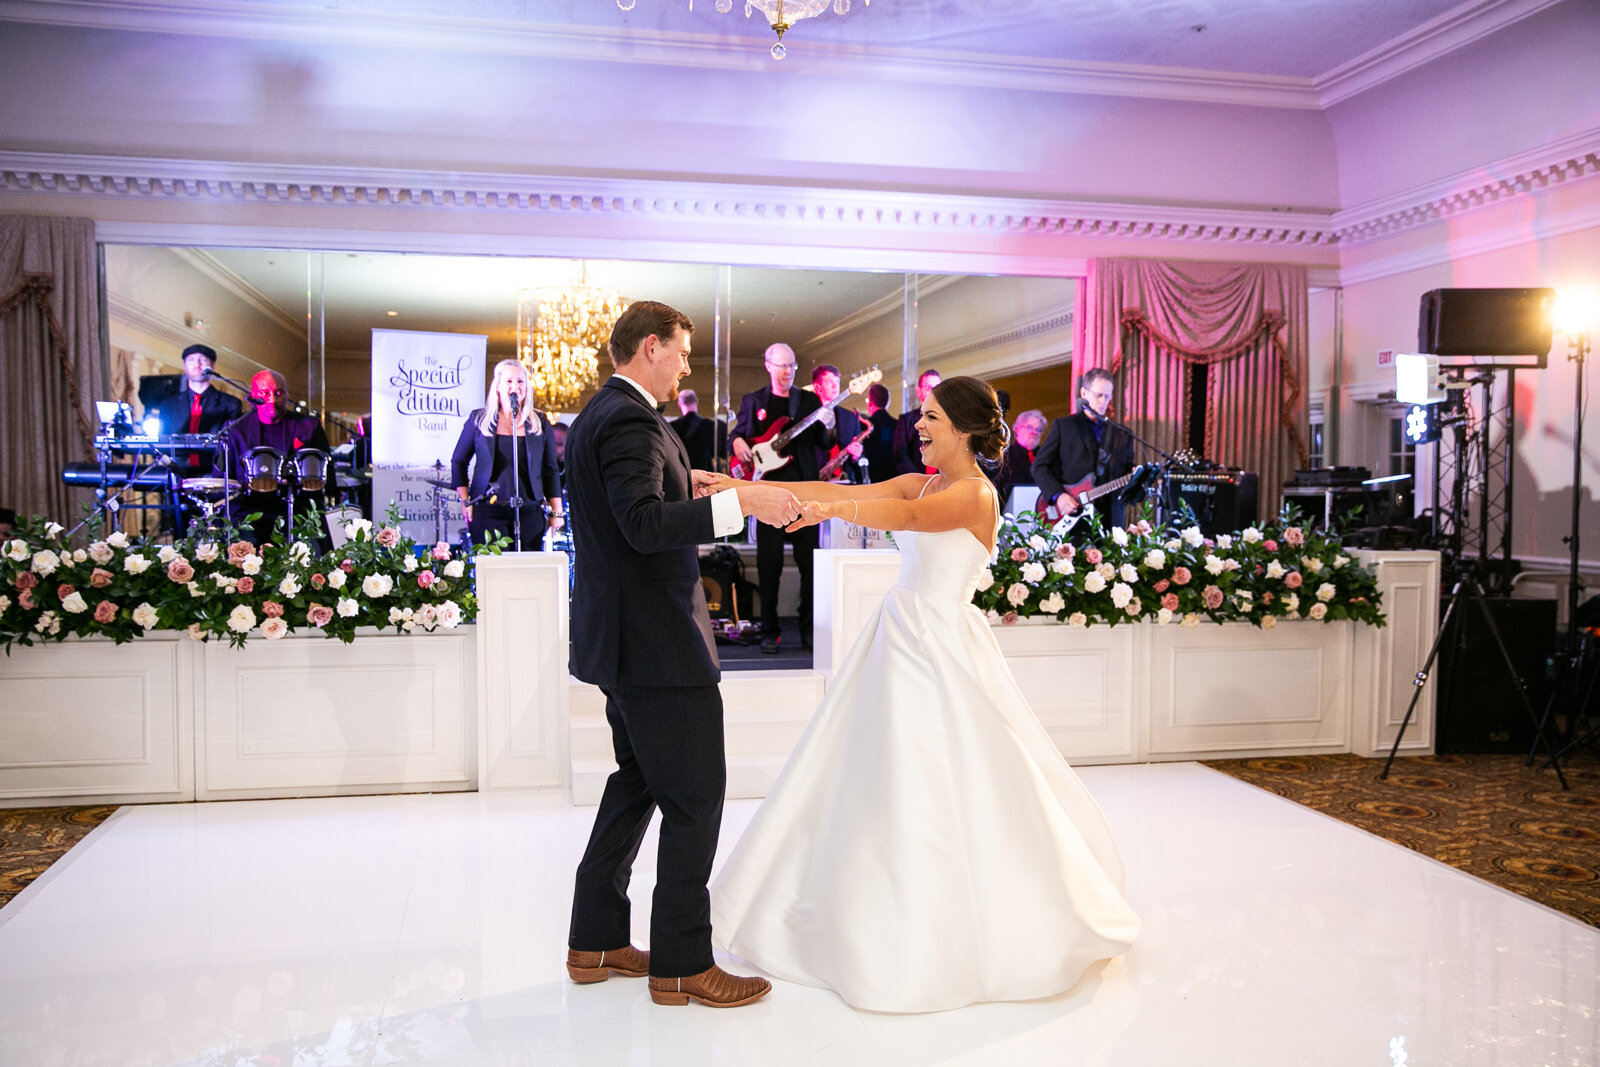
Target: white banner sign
pixel 423 387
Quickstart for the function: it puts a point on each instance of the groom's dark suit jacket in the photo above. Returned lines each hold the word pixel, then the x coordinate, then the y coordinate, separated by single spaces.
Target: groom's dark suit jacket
pixel 638 609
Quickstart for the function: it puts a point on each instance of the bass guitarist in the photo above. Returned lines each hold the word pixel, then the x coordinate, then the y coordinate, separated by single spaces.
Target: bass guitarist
pixel 757 412
pixel 1083 450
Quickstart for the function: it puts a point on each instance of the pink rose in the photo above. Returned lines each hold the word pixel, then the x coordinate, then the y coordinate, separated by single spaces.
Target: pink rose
pixel 247 584
pixel 274 628
pixel 1008 619
pixel 1093 556
pixel 1266 598
pixel 25 599
pixel 1293 579
pixel 441 551
pixel 1065 551
pixel 1142 526
pixel 64 590
pixel 318 581
pixel 1161 586
pixel 425 579
pixel 1181 576
pixel 180 570
pixel 25 581
pixel 105 611
pixel 100 578
pixel 1270 546
pixel 239 550
pixel 1295 536
pixel 348 565
pixel 272 609
pixel 388 537
pixel 1170 601
pixel 1133 607
pixel 1213 597
pixel 319 615
pixel 1260 569
pixel 1019 554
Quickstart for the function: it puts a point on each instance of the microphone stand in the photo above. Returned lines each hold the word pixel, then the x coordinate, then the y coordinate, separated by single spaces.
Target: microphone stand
pixel 516 476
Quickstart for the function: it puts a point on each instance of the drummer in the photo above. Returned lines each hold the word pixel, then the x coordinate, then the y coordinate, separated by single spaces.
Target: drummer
pixel 271 425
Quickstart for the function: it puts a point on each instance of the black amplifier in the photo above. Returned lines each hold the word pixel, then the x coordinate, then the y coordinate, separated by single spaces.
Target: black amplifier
pixel 1324 476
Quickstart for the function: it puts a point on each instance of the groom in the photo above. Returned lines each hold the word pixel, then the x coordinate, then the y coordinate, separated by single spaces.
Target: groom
pixel 641 633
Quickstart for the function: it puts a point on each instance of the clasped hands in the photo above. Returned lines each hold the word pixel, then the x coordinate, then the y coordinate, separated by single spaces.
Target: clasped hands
pixel 769 502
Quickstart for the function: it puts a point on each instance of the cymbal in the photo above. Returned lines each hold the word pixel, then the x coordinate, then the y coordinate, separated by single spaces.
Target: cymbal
pixel 437 485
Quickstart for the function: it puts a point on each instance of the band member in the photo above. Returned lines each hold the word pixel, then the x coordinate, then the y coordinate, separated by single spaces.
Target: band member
pixel 757 412
pixel 907 446
pixel 845 429
pixel 1016 466
pixel 197 408
pixel 271 425
pixel 489 439
pixel 1086 445
pixel 706 440
pixel 878 449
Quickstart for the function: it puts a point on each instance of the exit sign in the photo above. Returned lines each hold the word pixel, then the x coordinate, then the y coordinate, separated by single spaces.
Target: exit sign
pixel 1385 357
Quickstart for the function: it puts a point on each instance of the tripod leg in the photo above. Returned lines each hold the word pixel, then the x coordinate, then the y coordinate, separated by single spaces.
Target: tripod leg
pixel 1422 678
pixel 1516 679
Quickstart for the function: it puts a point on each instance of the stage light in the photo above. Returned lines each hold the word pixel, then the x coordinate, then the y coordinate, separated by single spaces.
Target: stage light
pixel 1416 379
pixel 152 426
pixel 1575 311
pixel 1422 424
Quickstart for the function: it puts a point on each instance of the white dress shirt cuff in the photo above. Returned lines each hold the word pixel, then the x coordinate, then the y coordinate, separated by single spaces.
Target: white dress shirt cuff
pixel 726 515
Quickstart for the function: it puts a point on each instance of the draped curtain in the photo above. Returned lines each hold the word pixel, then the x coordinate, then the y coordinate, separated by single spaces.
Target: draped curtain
pixel 1158 325
pixel 51 368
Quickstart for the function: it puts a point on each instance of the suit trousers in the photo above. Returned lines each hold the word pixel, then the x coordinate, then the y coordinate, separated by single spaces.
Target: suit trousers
pixel 669 748
pixel 769 571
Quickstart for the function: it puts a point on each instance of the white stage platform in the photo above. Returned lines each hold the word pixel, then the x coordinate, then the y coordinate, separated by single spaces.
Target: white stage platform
pixel 430 930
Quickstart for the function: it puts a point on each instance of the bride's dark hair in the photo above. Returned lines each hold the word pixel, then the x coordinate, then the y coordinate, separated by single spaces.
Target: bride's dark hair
pixel 972 407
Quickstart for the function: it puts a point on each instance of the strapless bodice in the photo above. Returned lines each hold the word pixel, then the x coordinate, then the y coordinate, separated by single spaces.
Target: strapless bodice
pixel 941 566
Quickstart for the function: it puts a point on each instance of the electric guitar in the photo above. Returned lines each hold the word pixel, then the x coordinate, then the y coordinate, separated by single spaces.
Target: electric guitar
pixel 829 468
pixel 1086 492
pixel 767 451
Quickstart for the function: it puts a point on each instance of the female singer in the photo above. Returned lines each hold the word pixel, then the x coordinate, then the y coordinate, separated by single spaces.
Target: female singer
pixel 507 422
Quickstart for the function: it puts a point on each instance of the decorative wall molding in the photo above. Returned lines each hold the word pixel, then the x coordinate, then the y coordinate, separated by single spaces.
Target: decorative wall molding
pixel 1051 321
pixel 893 304
pixel 128 312
pixel 220 273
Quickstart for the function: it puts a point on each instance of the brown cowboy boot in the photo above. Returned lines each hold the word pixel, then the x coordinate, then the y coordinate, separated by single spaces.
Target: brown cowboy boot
pixel 715 988
pixel 627 962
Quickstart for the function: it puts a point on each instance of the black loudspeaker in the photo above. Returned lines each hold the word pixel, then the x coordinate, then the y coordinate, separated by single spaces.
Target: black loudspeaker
pixel 722 576
pixel 1486 322
pixel 154 388
pixel 1478 707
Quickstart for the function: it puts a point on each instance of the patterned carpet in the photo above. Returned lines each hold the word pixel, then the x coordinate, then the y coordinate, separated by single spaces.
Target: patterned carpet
pixel 1487 815
pixel 1490 816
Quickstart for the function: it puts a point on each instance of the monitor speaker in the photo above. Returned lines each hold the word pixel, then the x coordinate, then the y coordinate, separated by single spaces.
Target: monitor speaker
pixel 1486 322
pixel 1478 707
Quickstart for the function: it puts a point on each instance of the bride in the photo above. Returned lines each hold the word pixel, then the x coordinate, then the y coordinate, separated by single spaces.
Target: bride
pixel 926 846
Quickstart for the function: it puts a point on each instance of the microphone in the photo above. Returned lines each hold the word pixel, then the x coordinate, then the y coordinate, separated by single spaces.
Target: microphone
pixel 516 404
pixel 210 372
pixel 256 400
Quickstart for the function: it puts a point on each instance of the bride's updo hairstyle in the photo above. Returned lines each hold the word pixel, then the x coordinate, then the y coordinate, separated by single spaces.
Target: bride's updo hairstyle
pixel 972 407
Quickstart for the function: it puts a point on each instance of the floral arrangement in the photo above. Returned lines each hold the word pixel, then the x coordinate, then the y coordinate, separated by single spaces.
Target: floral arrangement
pixel 210 587
pixel 1174 574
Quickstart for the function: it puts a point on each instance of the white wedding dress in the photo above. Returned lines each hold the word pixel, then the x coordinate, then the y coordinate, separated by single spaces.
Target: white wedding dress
pixel 926 846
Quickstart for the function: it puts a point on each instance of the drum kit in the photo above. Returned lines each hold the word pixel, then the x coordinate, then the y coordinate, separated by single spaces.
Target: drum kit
pixel 265 470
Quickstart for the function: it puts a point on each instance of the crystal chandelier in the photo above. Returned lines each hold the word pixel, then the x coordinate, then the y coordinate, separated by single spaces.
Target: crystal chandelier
pixel 781 14
pixel 560 333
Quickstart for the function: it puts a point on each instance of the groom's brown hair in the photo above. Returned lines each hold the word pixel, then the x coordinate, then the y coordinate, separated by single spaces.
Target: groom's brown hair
pixel 643 318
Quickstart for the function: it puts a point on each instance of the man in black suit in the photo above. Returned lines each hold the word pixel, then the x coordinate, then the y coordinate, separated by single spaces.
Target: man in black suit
pixel 907 446
pixel 878 449
pixel 641 633
pixel 1085 445
pixel 705 439
pixel 841 436
pixel 197 407
pixel 757 412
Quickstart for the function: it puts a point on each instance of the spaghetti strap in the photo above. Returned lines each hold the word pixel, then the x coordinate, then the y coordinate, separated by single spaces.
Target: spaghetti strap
pixel 925 485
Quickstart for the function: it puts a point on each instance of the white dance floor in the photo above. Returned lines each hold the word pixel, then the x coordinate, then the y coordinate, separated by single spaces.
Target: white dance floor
pixel 431 930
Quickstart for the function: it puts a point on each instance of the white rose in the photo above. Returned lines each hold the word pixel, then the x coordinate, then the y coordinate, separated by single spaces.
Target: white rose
pixel 251 564
pixel 1155 559
pixel 1318 611
pixel 75 603
pixel 79 555
pixel 1291 603
pixel 136 563
pixel 1193 537
pixel 1325 591
pixel 53 529
pixel 223 581
pixel 17 550
pixel 336 579
pixel 1093 582
pixel 1128 573
pixel 1037 543
pixel 1062 566
pixel 1251 535
pixel 195 590
pixel 5 604
pixel 48 623
pixel 1078 619
pixel 985 577
pixel 118 539
pixel 1268 621
pixel 1052 604
pixel 145 616
pixel 289 586
pixel 207 552
pixel 99 551
pixel 1017 594
pixel 1119 536
pixel 241 619
pixel 1224 541
pixel 1230 564
pixel 1274 569
pixel 428 616
pixel 449 615
pixel 1311 564
pixel 359 526
pixel 1163 616
pixel 409 564
pixel 1106 571
pixel 300 551
pixel 195 633
pixel 376 585
pixel 1121 594
pixel 455 569
pixel 1190 621
pixel 348 607
pixel 1340 561
pixel 167 554
pixel 1244 606
pixel 399 614
pixel 993 616
pixel 1033 572
pixel 1213 565
pixel 1245 594
pixel 45 562
pixel 1173 545
pixel 272 629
